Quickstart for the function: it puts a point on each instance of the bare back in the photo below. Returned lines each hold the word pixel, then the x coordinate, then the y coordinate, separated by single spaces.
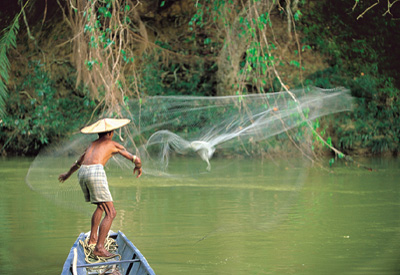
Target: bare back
pixel 100 151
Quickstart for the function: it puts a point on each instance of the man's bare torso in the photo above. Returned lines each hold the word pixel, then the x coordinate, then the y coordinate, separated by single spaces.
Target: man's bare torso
pixel 100 151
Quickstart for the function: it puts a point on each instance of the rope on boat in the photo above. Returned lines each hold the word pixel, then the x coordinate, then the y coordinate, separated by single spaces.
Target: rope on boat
pixel 110 245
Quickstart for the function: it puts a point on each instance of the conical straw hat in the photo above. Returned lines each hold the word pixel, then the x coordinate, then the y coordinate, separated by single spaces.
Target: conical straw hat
pixel 105 125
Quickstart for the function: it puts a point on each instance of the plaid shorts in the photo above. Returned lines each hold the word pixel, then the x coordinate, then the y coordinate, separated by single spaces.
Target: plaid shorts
pixel 93 181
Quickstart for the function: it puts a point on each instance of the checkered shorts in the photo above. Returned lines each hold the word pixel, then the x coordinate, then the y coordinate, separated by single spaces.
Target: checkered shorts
pixel 93 181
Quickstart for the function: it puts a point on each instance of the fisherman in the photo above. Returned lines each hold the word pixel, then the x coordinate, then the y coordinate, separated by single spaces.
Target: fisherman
pixel 93 180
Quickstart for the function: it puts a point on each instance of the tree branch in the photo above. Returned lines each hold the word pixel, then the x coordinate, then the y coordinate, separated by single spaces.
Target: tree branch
pixel 361 15
pixel 389 7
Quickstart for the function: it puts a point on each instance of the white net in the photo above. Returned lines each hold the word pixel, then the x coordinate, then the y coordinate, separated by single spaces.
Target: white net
pixel 165 129
pixel 229 125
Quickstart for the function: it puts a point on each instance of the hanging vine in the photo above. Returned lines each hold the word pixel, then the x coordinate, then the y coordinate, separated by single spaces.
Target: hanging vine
pixel 108 35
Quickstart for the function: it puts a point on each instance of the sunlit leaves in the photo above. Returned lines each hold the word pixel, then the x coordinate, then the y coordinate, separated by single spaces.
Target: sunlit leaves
pixel 297 15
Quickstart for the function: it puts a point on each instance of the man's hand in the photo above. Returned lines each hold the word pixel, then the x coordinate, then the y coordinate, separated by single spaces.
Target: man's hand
pixel 63 177
pixel 139 171
pixel 138 166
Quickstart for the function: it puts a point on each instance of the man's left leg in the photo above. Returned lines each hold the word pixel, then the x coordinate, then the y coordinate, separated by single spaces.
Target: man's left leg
pixel 108 208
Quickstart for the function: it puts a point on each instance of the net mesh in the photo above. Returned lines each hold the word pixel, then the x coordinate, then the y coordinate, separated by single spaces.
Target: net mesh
pixel 228 125
pixel 197 128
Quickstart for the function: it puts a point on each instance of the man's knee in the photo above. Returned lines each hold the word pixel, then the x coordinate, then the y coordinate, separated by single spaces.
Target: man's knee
pixel 113 213
pixel 110 210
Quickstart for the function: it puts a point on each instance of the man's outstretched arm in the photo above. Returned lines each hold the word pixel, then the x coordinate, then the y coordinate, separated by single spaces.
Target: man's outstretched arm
pixel 63 177
pixel 135 159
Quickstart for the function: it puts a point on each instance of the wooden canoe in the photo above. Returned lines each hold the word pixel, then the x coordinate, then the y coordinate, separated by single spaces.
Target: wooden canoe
pixel 131 262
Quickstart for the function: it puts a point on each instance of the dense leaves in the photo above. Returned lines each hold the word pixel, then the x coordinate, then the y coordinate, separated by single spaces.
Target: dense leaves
pixel 36 115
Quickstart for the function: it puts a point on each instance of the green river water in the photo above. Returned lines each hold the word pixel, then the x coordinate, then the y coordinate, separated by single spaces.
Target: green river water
pixel 242 217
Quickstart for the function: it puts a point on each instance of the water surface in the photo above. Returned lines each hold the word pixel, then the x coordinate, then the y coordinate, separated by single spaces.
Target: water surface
pixel 243 217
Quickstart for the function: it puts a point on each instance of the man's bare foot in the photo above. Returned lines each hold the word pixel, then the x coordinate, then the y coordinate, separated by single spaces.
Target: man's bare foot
pixel 102 252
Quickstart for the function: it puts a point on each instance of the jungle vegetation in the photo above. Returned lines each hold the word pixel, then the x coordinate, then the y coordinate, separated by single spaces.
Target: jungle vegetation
pixel 63 62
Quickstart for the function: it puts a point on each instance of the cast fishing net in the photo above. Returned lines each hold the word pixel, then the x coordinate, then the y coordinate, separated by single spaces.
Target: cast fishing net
pixel 165 129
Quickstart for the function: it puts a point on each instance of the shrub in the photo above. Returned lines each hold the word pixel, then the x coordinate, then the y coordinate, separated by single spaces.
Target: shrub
pixel 36 115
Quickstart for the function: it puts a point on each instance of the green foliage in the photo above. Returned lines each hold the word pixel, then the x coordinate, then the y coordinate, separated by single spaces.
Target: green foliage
pixel 7 40
pixel 362 61
pixel 257 60
pixel 36 115
pixel 328 78
pixel 376 120
pixel 374 125
pixel 174 78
